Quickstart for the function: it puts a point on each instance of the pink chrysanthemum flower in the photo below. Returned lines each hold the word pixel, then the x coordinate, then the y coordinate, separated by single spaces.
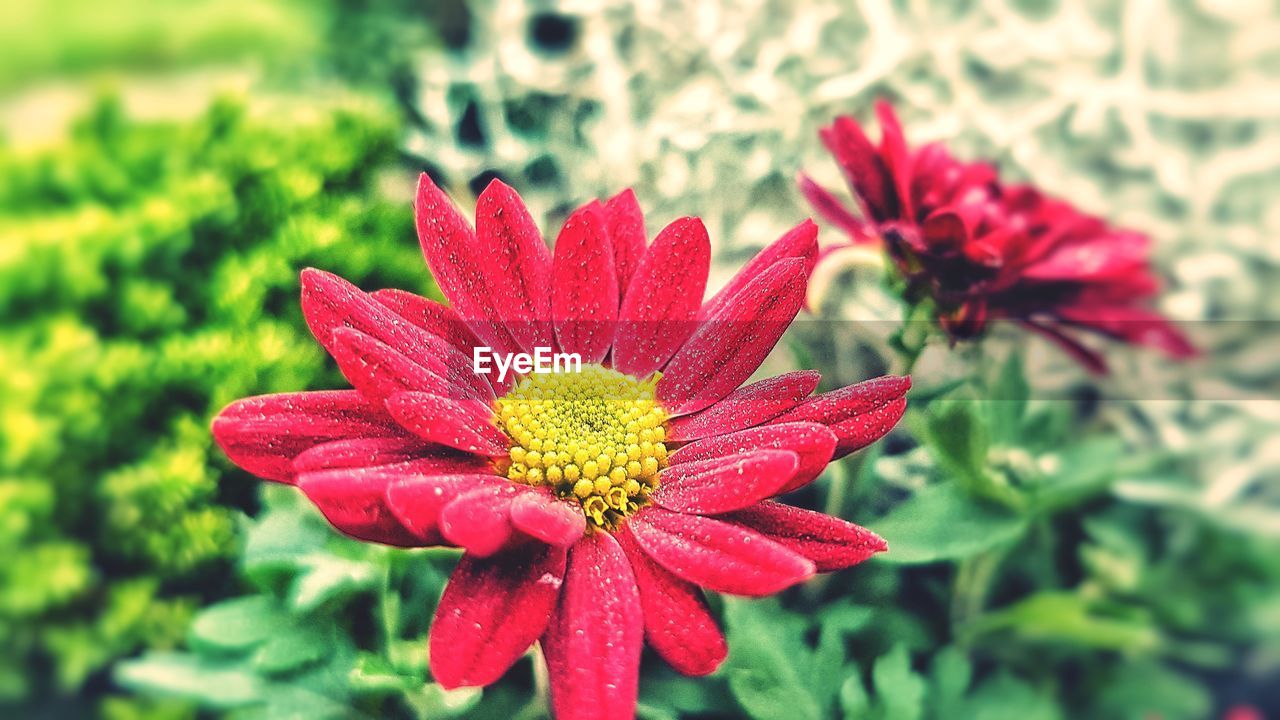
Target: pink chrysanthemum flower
pixel 982 249
pixel 591 505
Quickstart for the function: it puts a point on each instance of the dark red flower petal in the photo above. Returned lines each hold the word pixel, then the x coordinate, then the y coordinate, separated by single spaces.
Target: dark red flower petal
pixel 263 434
pixel 812 443
pixel 492 611
pixel 354 502
pixel 858 414
pixel 863 167
pixel 728 347
pixel 720 484
pixel 677 622
pixel 660 308
pixel 1137 326
pixel 593 642
pixel 833 211
pixel 517 265
pixel 625 224
pixel 549 519
pixel 479 520
pixel 584 286
pixel 361 453
pixel 717 555
pixel 831 543
pixel 461 424
pixel 437 319
pixel 416 501
pixel 458 264
pixel 897 158
pixel 330 303
pixel 1091 359
pixel 798 242
pixel 746 407
pixel 378 371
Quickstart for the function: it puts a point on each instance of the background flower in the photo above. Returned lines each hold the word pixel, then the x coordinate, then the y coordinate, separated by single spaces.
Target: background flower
pixel 979 249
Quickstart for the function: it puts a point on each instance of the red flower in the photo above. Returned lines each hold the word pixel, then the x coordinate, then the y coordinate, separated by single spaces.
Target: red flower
pixel 592 506
pixel 982 249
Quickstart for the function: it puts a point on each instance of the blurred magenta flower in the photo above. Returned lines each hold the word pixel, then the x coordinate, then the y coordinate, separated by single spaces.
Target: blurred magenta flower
pixel 592 506
pixel 981 249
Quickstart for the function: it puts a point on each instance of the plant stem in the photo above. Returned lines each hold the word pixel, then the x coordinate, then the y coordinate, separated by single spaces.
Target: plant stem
pixel 972 583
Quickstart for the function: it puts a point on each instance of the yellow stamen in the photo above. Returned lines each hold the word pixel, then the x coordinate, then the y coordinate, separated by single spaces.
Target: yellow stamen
pixel 595 436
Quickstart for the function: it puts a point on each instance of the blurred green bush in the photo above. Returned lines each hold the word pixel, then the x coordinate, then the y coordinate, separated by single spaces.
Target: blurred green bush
pixel 148 276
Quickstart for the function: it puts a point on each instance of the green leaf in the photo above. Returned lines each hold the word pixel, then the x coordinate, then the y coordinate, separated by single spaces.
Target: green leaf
pixel 373 675
pixel 766 696
pixel 949 678
pixel 899 690
pixel 188 676
pixel 1146 689
pixel 1006 698
pixel 1064 618
pixel 432 701
pixel 959 438
pixel 237 625
pixel 941 522
pixel 1007 404
pixel 293 648
pixel 1079 472
pixel 853 698
pixel 328 577
pixel 767 661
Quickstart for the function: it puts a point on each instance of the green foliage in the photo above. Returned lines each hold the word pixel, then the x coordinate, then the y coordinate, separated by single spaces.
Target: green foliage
pixel 148 277
pixel 295 648
pixel 77 36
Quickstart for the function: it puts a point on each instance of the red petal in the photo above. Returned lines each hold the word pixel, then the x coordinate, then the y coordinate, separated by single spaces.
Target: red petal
pixel 858 414
pixel 677 622
pixel 717 555
pixel 1086 356
pixel 728 347
pixel 746 407
pixel 798 242
pixel 833 211
pixel 813 444
pixel 661 305
pixel 625 224
pixel 354 502
pixel 553 521
pixel 437 319
pixel 721 484
pixel 584 299
pixel 367 452
pixel 1133 325
pixel 463 425
pixel 594 640
pixel 831 543
pixel 378 371
pixel 359 453
pixel 491 612
pixel 863 167
pixel 263 434
pixel 330 303
pixel 417 501
pixel 480 520
pixel 458 264
pixel 897 157
pixel 517 264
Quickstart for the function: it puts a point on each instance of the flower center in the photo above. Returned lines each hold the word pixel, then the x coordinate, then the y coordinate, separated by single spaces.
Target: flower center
pixel 595 436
